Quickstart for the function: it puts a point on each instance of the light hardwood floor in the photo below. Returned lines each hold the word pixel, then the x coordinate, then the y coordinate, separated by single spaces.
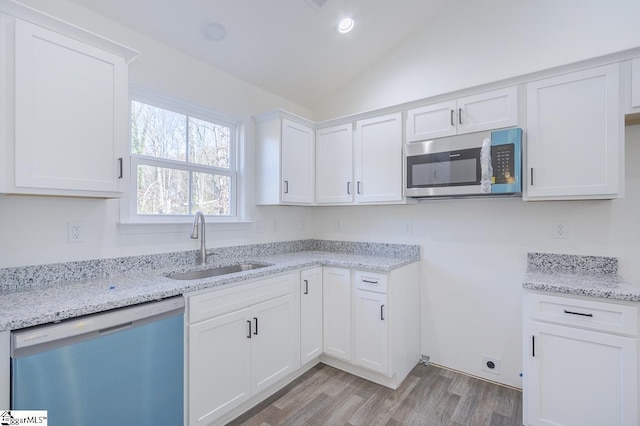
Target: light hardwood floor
pixel 429 396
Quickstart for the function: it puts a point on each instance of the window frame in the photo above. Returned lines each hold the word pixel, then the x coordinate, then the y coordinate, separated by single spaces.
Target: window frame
pixel 128 210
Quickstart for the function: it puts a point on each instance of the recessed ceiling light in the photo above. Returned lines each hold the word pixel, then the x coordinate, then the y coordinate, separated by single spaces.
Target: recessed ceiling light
pixel 345 25
pixel 213 31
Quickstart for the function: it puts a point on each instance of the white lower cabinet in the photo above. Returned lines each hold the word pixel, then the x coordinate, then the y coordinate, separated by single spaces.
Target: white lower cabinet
pixel 371 322
pixel 249 343
pixel 371 333
pixel 580 362
pixel 310 314
pixel 336 295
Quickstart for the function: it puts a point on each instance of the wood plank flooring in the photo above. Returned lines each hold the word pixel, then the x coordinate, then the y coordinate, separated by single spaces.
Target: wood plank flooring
pixel 429 396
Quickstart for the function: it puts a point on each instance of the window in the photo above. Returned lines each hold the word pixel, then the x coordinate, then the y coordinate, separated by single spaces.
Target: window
pixel 182 161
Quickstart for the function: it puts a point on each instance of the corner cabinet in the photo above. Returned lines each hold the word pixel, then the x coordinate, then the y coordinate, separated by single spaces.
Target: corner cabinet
pixel 371 322
pixel 580 361
pixel 285 160
pixel 484 111
pixel 240 341
pixel 65 116
pixel 575 143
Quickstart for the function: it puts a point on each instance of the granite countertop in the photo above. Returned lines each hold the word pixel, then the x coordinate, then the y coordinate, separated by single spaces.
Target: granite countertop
pixel 34 304
pixel 594 276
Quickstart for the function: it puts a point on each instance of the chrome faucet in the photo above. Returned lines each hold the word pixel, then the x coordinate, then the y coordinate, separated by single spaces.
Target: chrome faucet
pixel 202 256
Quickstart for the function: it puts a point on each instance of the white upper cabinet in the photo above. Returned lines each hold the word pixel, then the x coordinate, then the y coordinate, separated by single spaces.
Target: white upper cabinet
pixel 484 111
pixel 631 86
pixel 285 160
pixel 334 164
pixel 378 159
pixel 361 167
pixel 65 118
pixel 575 143
pixel 298 164
pixel 635 83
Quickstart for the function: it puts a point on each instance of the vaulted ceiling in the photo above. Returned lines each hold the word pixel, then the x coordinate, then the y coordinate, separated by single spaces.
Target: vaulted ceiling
pixel 288 47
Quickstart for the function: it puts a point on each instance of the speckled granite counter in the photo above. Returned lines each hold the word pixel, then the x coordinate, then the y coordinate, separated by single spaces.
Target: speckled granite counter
pixel 580 275
pixel 46 293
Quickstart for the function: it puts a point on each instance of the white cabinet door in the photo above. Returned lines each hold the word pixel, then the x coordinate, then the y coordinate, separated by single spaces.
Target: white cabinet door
pixel 310 314
pixel 378 161
pixel 488 111
pixel 334 162
pixel 298 163
pixel 579 377
pixel 484 111
pixel 575 141
pixel 219 366
pixel 71 111
pixel 431 121
pixel 635 83
pixel 371 331
pixel 274 345
pixel 336 291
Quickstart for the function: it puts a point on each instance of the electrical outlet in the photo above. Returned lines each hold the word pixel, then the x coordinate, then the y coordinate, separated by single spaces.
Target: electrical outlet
pixel 560 229
pixel 338 225
pixel 75 233
pixel 490 365
pixel 407 227
pixel 260 227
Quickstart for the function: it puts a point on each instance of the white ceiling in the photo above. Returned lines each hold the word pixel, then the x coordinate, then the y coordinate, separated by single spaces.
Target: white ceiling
pixel 288 47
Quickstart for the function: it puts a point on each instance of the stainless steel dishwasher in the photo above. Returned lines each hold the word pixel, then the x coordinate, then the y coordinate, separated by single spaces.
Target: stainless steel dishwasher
pixel 121 367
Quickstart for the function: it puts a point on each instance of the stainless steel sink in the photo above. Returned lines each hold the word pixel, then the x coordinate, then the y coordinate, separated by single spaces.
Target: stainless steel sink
pixel 214 272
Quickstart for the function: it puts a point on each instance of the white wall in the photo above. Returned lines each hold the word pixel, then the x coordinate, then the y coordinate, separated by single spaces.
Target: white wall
pixel 33 230
pixel 474 259
pixel 478 42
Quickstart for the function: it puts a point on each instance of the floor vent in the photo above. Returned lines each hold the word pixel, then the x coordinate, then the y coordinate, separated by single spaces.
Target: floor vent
pixel 424 359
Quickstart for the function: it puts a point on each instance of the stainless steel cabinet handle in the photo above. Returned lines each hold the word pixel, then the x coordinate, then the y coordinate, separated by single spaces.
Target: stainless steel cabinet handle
pixel 370 282
pixel 286 186
pixel 120 176
pixel 256 332
pixel 452 123
pixel 382 312
pixel 460 115
pixel 531 180
pixel 348 188
pixel 249 335
pixel 306 286
pixel 358 187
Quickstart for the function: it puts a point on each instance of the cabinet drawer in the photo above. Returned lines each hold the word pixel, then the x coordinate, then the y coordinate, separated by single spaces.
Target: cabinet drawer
pixel 594 315
pixel 202 306
pixel 371 281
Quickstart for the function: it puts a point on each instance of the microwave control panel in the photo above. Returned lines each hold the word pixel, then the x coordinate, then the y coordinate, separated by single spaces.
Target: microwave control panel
pixel 502 161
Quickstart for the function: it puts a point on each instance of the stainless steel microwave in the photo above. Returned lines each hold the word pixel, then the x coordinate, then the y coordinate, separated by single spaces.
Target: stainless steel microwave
pixel 475 164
